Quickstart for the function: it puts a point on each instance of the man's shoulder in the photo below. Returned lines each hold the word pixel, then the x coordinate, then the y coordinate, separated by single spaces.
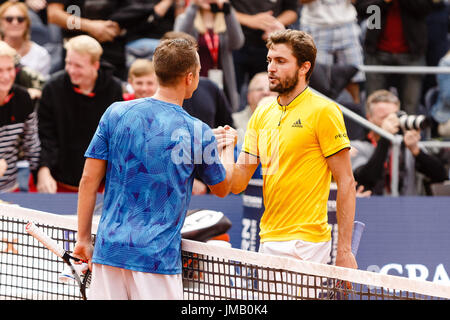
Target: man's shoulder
pixel 321 105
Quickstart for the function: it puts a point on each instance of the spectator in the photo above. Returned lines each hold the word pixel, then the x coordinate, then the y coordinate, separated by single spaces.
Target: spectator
pixel 15 27
pixel 437 38
pixel 18 123
pixel 440 111
pixel 141 79
pixel 72 102
pixel 258 88
pixel 401 41
pixel 371 159
pixel 258 19
pixel 218 33
pixel 334 27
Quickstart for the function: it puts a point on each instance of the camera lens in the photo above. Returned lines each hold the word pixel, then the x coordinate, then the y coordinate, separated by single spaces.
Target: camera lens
pixel 412 122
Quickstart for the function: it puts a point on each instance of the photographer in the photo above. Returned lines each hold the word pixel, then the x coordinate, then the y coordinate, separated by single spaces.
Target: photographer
pixel 371 160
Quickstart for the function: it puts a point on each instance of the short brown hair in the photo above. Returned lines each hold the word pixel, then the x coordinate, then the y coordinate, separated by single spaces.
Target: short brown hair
pixel 179 35
pixel 174 58
pixel 381 96
pixel 301 43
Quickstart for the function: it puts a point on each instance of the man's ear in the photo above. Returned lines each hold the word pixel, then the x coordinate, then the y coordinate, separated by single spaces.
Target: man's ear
pixel 97 65
pixel 189 78
pixel 304 68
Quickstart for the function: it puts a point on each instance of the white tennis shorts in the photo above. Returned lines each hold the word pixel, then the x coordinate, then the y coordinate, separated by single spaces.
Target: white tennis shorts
pixel 111 283
pixel 299 249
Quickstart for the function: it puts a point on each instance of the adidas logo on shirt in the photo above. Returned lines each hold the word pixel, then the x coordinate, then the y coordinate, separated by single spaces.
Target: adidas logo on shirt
pixel 297 124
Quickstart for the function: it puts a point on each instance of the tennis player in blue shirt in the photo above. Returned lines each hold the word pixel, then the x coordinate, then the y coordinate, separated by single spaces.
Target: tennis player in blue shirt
pixel 149 150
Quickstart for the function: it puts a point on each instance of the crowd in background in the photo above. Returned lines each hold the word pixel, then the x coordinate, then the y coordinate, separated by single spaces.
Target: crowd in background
pixel 59 95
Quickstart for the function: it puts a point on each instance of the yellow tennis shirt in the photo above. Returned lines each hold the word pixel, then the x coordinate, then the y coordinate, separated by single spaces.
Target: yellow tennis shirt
pixel 292 143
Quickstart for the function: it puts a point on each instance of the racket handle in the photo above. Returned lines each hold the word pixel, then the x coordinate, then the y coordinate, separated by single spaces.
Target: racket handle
pixel 358 228
pixel 48 242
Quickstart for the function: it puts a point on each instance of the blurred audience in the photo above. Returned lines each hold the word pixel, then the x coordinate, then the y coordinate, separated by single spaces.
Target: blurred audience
pixel 258 19
pixel 401 40
pixel 440 111
pixel 215 26
pixel 106 21
pixel 142 38
pixel 336 33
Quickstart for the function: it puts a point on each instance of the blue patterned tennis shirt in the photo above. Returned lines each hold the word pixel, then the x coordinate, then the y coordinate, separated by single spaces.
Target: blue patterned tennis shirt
pixel 153 149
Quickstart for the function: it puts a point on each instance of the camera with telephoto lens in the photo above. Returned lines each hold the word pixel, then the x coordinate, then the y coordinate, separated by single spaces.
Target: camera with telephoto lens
pixel 412 122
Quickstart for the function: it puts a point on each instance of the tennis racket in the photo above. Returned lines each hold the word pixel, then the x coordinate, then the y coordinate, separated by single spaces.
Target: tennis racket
pixel 83 279
pixel 344 288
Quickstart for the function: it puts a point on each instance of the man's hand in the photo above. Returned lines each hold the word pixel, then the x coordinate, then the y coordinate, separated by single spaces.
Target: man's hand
pixel 84 250
pixel 103 30
pixel 199 188
pixel 275 26
pixel 36 5
pixel 225 136
pixel 362 193
pixel 391 123
pixel 3 167
pixel 263 20
pixel 411 139
pixel 45 183
pixel 346 259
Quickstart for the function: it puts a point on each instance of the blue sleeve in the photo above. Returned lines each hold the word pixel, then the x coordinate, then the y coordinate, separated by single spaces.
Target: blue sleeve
pixel 99 146
pixel 210 170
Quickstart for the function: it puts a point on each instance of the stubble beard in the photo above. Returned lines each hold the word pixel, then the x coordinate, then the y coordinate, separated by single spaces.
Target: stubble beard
pixel 286 85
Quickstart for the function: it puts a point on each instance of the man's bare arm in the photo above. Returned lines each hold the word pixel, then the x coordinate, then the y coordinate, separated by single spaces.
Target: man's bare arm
pixel 287 17
pixel 341 170
pixel 222 189
pixel 243 171
pixel 93 174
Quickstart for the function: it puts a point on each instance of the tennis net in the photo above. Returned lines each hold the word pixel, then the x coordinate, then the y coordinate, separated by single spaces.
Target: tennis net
pixel 30 271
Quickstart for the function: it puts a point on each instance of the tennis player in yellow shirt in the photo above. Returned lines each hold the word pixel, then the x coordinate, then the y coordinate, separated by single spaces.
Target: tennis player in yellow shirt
pixel 301 141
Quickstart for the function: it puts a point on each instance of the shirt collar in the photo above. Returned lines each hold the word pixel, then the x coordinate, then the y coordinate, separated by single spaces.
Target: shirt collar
pixel 301 96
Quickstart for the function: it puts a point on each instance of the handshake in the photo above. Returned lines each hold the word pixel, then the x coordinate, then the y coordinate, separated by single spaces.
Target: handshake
pixel 225 136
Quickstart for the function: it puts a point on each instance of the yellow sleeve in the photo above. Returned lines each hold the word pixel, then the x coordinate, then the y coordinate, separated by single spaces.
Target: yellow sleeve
pixel 331 130
pixel 250 144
